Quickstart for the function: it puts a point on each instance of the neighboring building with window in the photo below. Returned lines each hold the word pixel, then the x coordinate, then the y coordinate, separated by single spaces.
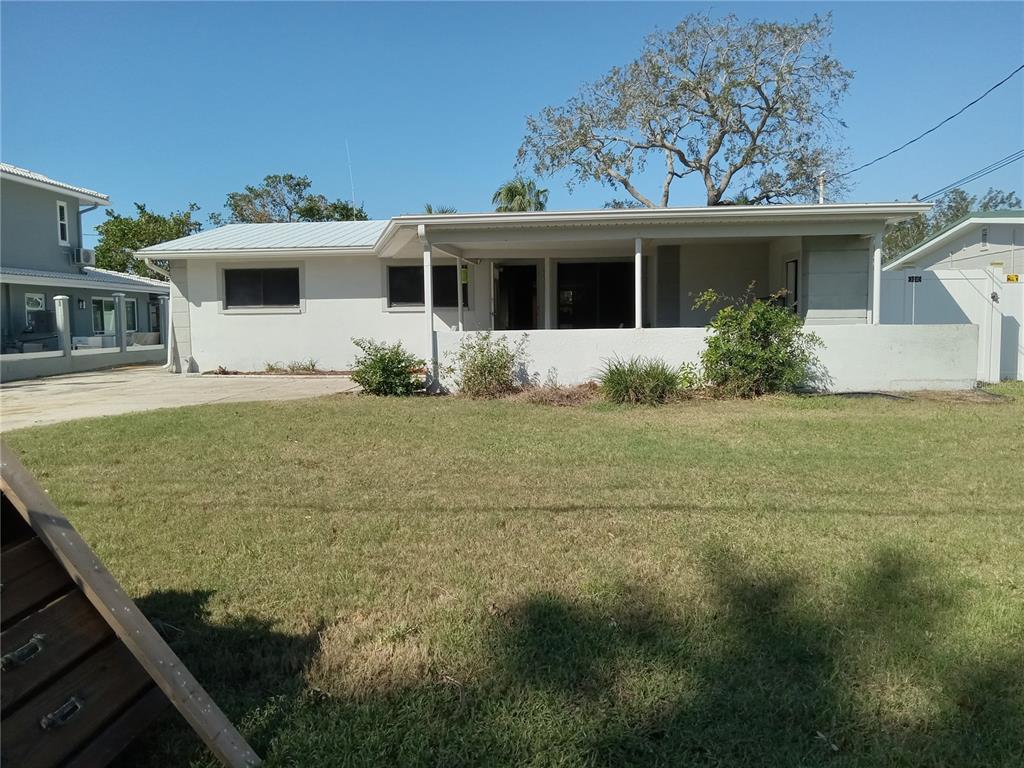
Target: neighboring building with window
pixel 42 255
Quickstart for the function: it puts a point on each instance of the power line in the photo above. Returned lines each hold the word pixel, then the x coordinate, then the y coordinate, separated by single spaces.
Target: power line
pixel 934 127
pixel 991 168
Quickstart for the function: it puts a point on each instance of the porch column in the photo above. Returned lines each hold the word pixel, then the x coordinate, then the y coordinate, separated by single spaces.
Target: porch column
pixel 547 291
pixel 490 290
pixel 165 324
pixel 120 322
pixel 458 288
pixel 428 310
pixel 876 278
pixel 638 309
pixel 62 316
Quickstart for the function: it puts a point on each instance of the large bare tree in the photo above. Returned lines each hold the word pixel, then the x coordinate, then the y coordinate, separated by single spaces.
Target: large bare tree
pixel 747 106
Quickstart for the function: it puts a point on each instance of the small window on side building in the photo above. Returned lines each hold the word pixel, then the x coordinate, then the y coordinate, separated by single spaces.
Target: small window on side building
pixel 984 238
pixel 62 223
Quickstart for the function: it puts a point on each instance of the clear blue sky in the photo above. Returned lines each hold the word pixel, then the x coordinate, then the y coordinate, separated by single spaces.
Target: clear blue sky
pixel 171 103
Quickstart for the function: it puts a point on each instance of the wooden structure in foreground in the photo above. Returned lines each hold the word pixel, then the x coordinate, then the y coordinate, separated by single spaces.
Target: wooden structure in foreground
pixel 83 671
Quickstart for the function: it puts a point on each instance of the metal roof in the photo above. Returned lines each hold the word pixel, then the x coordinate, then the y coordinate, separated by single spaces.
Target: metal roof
pixel 39 180
pixel 301 235
pixel 953 230
pixel 89 277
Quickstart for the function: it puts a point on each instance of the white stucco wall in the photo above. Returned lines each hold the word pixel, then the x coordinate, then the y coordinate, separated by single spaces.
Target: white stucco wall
pixel 854 358
pixel 342 298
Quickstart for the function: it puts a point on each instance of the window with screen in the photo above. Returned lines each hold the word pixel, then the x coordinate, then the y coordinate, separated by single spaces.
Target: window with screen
pixel 405 286
pixel 247 288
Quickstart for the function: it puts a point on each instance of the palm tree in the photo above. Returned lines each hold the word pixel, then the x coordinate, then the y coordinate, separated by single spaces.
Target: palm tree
pixel 518 195
pixel 438 209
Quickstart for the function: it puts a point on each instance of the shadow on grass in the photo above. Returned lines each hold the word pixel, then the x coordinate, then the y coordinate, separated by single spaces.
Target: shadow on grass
pixel 750 670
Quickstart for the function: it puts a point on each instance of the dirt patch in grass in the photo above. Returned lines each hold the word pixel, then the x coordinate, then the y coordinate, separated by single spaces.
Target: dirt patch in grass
pixel 557 395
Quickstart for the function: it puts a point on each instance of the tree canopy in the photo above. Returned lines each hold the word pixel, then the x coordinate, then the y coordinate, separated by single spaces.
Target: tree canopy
pixel 749 107
pixel 948 209
pixel 518 195
pixel 439 209
pixel 121 236
pixel 285 197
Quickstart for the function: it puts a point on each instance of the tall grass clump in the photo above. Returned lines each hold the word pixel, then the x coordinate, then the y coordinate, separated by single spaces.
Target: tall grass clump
pixel 485 366
pixel 639 381
pixel 387 369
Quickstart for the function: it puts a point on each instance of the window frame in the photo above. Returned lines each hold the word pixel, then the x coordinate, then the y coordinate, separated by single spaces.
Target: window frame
pixel 63 220
pixel 42 308
pixel 467 287
pixel 131 317
pixel 984 238
pixel 92 313
pixel 222 295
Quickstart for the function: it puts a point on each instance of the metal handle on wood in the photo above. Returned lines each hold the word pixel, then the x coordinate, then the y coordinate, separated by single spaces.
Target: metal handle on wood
pixel 61 715
pixel 20 655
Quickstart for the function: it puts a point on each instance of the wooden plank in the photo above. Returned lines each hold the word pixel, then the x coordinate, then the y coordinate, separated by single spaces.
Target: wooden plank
pixel 13 528
pixel 17 561
pixel 32 588
pixel 112 740
pixel 89 696
pixel 51 640
pixel 117 609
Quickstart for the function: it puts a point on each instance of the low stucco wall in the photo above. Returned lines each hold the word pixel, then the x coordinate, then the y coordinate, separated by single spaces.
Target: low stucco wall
pixel 33 365
pixel 853 358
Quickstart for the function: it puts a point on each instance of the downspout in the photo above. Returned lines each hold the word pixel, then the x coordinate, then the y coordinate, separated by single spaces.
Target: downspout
pixel 81 235
pixel 169 365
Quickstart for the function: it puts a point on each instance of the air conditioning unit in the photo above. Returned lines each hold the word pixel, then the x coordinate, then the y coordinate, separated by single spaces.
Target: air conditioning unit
pixel 86 256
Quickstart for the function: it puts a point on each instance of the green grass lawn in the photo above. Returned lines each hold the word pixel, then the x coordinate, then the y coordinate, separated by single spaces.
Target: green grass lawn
pixel 439 582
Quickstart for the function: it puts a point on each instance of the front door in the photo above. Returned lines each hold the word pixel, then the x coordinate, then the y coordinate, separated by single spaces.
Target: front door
pixel 516 292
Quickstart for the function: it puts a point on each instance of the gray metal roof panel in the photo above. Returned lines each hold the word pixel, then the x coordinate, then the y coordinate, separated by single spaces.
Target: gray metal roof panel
pixel 38 178
pixel 94 275
pixel 291 235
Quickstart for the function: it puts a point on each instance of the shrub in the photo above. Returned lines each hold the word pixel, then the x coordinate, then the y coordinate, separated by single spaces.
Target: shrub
pixel 488 367
pixel 756 347
pixel 303 366
pixel 386 369
pixel 639 381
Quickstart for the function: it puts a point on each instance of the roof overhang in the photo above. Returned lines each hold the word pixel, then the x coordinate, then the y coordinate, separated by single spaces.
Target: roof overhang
pixel 949 235
pixel 754 221
pixel 250 254
pixel 82 195
pixel 79 281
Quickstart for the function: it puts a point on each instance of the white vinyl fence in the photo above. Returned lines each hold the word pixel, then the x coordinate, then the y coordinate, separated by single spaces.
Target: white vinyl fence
pixel 980 297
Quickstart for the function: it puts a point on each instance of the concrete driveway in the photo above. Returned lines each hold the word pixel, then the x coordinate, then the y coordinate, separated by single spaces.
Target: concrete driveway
pixel 144 388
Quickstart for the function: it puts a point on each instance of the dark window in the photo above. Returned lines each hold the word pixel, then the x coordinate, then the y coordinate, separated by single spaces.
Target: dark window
pixel 405 287
pixel 261 288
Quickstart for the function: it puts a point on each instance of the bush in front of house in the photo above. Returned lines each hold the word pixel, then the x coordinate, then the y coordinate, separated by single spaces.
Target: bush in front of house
pixel 757 347
pixel 387 369
pixel 639 381
pixel 486 366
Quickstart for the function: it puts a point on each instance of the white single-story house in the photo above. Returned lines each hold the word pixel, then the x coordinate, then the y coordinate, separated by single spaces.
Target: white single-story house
pixel 585 286
pixel 970 272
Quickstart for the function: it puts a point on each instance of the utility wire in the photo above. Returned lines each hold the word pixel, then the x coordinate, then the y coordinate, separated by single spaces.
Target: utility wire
pixel 933 128
pixel 992 168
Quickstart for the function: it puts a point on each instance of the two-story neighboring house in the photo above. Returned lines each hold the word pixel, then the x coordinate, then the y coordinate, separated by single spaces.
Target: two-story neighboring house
pixel 42 256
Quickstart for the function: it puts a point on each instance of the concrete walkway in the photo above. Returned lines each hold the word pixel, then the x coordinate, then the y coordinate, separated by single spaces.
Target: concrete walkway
pixel 144 388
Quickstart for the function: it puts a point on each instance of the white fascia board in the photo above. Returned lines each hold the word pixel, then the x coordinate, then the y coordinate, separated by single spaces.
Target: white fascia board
pixel 252 253
pixel 77 282
pixel 950 234
pixel 79 195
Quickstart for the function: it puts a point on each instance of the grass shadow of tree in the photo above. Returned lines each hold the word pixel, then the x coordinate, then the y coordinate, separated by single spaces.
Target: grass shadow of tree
pixel 753 668
pixel 244 664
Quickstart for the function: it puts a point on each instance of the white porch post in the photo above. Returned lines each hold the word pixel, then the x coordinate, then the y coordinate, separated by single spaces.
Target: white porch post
pixel 428 310
pixel 458 289
pixel 62 315
pixel 490 291
pixel 876 278
pixel 120 321
pixel 547 291
pixel 638 285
